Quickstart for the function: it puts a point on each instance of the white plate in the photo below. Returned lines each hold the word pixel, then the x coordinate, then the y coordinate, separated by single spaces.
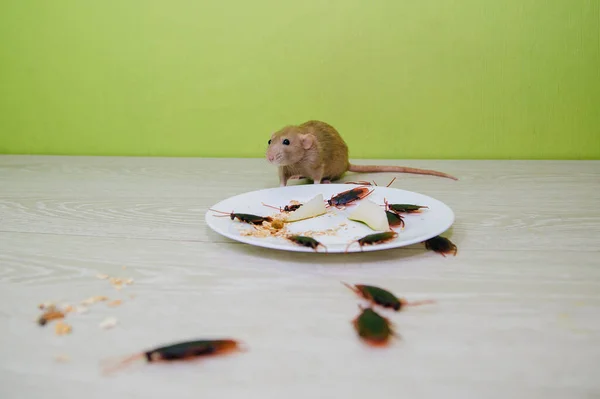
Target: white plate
pixel 419 226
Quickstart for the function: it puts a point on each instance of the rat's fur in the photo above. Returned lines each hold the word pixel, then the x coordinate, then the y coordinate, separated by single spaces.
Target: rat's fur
pixel 317 151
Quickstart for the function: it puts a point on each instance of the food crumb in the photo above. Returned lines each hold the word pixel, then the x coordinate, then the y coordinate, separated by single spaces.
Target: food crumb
pixel 62 328
pixel 49 315
pixel 82 309
pixel 45 305
pixel 115 303
pixel 102 276
pixel 69 309
pixel 62 358
pixel 109 322
pixel 94 299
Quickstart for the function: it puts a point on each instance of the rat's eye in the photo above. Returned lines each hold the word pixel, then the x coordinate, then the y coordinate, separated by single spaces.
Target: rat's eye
pixel 286 142
pixel 269 141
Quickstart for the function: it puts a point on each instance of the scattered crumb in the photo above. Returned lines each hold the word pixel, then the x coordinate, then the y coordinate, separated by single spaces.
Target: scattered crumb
pixel 276 228
pixel 119 283
pixel 62 358
pixel 109 322
pixel 46 305
pixel 115 303
pixel 62 328
pixel 68 309
pixel 50 314
pixel 123 267
pixel 82 309
pixel 131 296
pixel 102 276
pixel 277 224
pixel 94 299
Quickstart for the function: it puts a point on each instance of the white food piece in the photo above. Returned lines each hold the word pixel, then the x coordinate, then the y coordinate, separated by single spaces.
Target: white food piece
pixel 370 214
pixel 314 207
pixel 109 322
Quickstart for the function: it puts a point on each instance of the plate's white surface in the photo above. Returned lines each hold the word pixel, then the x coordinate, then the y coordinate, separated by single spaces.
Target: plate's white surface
pixel 419 226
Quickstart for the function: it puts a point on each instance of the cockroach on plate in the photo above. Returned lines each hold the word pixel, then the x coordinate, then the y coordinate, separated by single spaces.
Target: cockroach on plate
pixel 441 245
pixel 287 208
pixel 245 217
pixel 376 238
pixel 306 241
pixel 382 297
pixel 373 328
pixel 394 219
pixel 181 351
pixel 404 208
pixel 349 196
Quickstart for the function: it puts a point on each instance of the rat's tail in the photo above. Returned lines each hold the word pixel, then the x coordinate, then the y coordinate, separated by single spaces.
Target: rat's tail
pixel 397 169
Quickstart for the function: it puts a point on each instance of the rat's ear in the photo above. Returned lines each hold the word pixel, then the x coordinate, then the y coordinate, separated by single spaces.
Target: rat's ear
pixel 307 140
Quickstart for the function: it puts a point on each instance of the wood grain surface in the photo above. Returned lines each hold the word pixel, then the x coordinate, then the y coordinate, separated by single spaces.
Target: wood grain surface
pixel 517 312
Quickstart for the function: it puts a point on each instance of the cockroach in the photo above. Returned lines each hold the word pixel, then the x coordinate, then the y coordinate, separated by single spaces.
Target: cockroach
pixel 181 351
pixel 306 241
pixel 245 217
pixel 373 328
pixel 349 196
pixel 376 238
pixel 382 297
pixel 394 219
pixel 287 208
pixel 404 208
pixel 441 245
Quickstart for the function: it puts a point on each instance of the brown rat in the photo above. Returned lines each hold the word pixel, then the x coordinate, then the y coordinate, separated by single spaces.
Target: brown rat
pixel 315 150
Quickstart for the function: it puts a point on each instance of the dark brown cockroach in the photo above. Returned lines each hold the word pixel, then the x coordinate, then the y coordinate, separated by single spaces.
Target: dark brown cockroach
pixel 376 238
pixel 394 219
pixel 349 196
pixel 306 241
pixel 373 328
pixel 403 208
pixel 245 217
pixel 287 208
pixel 181 351
pixel 441 245
pixel 382 297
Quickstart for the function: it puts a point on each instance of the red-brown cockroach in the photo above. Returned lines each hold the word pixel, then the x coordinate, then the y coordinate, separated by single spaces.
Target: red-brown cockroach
pixel 306 241
pixel 287 208
pixel 349 196
pixel 245 217
pixel 403 208
pixel 382 297
pixel 441 245
pixel 375 238
pixel 181 351
pixel 394 219
pixel 373 328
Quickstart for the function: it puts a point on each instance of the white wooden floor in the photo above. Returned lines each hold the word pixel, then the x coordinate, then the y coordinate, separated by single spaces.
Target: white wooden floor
pixel 518 313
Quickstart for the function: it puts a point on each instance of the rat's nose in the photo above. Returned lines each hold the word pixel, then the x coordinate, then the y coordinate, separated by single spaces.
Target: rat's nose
pixel 271 158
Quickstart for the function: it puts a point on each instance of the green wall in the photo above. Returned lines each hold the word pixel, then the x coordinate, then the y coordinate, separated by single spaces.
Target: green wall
pixel 399 78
